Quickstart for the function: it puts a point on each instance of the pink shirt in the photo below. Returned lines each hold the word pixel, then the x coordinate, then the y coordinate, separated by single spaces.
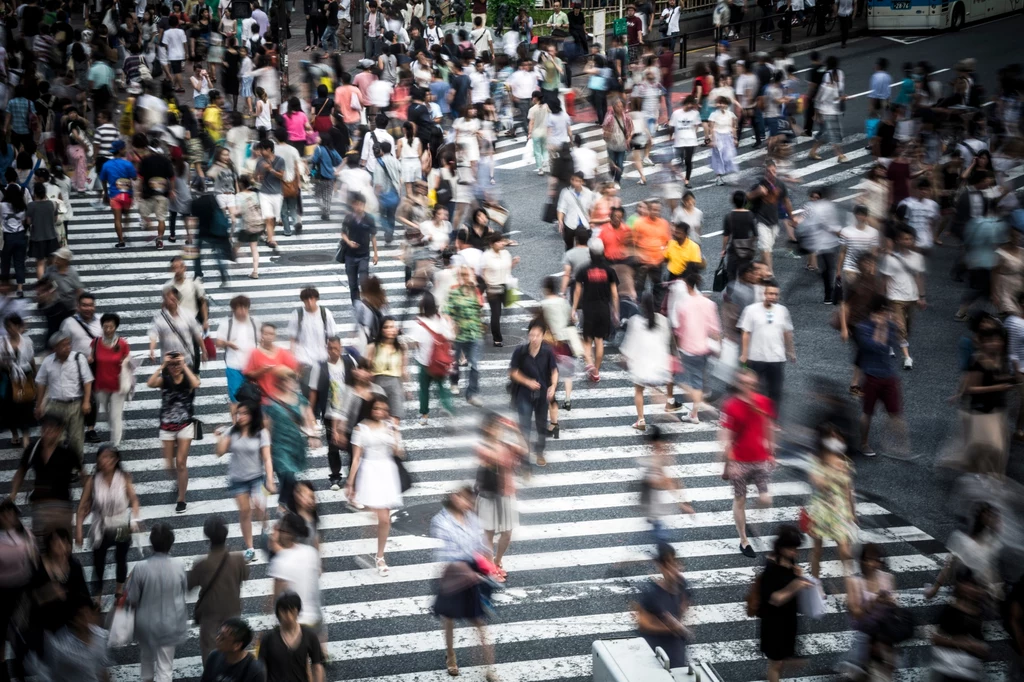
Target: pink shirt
pixel 295 124
pixel 362 80
pixel 696 319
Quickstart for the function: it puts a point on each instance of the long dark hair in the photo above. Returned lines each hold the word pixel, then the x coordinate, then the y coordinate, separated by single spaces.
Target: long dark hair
pixel 381 339
pixel 648 310
pixel 14 194
pixel 255 419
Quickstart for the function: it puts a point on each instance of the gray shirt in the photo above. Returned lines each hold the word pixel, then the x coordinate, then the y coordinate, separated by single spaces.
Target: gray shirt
pixel 42 216
pixel 157 588
pixel 175 333
pixel 270 183
pixel 576 258
pixel 246 462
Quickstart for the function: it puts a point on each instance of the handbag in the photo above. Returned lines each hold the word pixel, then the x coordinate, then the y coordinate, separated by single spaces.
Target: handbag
pixel 487 479
pixel 119 525
pixel 24 391
pixel 290 188
pixel 837 291
pixel 206 588
pixel 404 477
pixel 198 427
pixel 720 280
pixel 122 620
pixel 211 348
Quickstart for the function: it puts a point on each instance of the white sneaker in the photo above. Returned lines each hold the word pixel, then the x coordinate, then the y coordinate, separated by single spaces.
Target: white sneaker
pixel 648 161
pixel 455 389
pixel 423 420
pixel 908 363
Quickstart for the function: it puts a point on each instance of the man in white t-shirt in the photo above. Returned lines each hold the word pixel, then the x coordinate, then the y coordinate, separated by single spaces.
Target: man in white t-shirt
pixel 174 40
pixel 479 83
pixel 684 125
pixel 584 160
pixel 767 340
pixel 522 84
pixel 309 328
pixel 368 160
pixel 296 568
pixel 466 255
pixel 922 214
pixel 237 336
pixel 904 271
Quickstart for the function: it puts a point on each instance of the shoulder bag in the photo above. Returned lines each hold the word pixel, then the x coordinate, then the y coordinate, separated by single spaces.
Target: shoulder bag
pixel 290 188
pixel 206 589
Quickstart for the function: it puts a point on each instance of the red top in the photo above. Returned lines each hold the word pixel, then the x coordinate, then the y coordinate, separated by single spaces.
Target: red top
pixel 259 359
pixel 108 365
pixel 665 61
pixel 705 85
pixel 749 425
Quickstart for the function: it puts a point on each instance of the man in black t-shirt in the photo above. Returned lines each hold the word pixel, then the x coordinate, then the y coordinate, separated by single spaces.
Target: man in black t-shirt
pixel 814 77
pixel 358 235
pixel 53 465
pixel 231 662
pixel 597 295
pixel 766 198
pixel 30 17
pixel 157 174
pixel 534 376
pixel 288 649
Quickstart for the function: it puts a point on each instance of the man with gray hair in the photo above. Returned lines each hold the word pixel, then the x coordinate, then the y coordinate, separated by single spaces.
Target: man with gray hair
pixel 64 388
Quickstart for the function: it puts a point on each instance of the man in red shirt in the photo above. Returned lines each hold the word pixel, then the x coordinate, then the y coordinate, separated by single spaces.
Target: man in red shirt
pixel 634 29
pixel 267 362
pixel 616 236
pixel 749 437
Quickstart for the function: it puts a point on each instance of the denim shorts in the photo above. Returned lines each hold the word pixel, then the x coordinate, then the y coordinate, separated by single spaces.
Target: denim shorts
pixel 253 488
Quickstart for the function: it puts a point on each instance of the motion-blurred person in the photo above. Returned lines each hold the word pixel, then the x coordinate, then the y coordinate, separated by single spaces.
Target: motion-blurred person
pixel 78 651
pixel 660 493
pixel 465 309
pixel 293 431
pixel 904 270
pixel 779 584
pixel 534 374
pixel 290 647
pixel 355 406
pixel 19 553
pixel 697 331
pixel 462 589
pixel 866 598
pixel 661 607
pixel 156 590
pixel 219 576
pixel 250 469
pixel 237 336
pixel 959 649
pixel 647 355
pixel 876 339
pixel 178 387
pixel 109 496
pixel 374 483
pixel 831 512
pixel 498 452
pixel 54 465
pixel 358 236
pixel 495 269
pixel 749 449
pixel 977 550
pixel 268 362
pixel 296 568
pixel 18 367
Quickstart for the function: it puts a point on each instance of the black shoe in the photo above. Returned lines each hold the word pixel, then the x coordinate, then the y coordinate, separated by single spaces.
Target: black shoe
pixel 748 551
pixel 298 228
pixel 20 294
pixel 92 437
pixel 120 245
pixel 180 508
pixel 567 405
pixel 553 431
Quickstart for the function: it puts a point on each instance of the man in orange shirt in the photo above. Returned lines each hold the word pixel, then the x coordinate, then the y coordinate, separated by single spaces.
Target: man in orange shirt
pixel 267 362
pixel 651 235
pixel 616 237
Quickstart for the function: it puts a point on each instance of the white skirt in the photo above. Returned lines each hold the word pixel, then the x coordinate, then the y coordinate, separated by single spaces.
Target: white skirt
pixel 378 485
pixel 497 514
pixel 412 170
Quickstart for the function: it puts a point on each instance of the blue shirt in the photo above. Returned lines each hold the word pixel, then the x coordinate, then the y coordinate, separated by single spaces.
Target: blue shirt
pixel 982 237
pixel 439 89
pixel 880 82
pixel 118 174
pixel 874 357
pixel 324 160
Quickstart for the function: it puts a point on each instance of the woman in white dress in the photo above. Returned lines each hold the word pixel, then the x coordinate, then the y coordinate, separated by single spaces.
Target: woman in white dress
pixel 373 480
pixel 646 350
pixel 640 141
pixel 410 156
pixel 467 135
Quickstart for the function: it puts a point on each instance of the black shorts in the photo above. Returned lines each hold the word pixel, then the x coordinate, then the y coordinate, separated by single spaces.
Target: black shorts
pixel 177 65
pixel 597 324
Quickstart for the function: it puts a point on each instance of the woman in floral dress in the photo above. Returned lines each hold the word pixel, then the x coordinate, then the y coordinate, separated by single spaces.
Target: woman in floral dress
pixel 831 513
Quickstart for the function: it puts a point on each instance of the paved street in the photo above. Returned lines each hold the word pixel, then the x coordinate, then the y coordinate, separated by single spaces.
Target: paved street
pixel 583 547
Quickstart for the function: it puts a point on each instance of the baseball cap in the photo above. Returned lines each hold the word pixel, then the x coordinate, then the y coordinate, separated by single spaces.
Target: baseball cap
pixel 116 146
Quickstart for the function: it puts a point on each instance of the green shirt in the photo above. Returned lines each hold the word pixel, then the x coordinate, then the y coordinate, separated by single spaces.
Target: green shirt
pixel 466 312
pixel 287 441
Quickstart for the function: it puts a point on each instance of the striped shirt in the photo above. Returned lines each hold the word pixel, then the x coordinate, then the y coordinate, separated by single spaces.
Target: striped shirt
pixel 19 109
pixel 857 241
pixel 103 138
pixel 459 541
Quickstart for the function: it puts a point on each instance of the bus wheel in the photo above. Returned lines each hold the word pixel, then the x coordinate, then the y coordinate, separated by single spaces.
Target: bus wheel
pixel 958 18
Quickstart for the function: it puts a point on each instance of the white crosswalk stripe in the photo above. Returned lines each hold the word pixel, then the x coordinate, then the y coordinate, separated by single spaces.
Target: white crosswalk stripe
pixel 583 548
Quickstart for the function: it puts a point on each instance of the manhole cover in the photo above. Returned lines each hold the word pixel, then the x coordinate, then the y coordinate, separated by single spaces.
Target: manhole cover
pixel 313 258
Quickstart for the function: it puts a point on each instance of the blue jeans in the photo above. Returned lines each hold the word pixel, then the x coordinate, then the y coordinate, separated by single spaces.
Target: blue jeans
pixel 528 407
pixel 619 160
pixel 15 248
pixel 388 206
pixel 356 268
pixel 289 214
pixel 471 349
pixel 222 252
pixel 329 39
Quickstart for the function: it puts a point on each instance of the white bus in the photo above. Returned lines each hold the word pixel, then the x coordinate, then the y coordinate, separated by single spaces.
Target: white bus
pixel 910 15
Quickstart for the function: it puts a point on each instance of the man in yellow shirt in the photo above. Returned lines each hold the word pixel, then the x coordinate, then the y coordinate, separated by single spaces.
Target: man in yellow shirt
pixel 213 117
pixel 682 250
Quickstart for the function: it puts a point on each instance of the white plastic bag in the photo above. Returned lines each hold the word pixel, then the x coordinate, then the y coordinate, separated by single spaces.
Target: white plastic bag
pixel 122 627
pixel 528 151
pixel 724 366
pixel 811 599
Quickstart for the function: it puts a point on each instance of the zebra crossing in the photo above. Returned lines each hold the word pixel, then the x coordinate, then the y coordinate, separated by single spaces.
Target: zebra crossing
pixel 583 548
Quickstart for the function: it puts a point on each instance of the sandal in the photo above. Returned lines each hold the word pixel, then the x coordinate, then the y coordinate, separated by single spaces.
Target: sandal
pixel 254 275
pixel 640 425
pixel 451 663
pixel 382 568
